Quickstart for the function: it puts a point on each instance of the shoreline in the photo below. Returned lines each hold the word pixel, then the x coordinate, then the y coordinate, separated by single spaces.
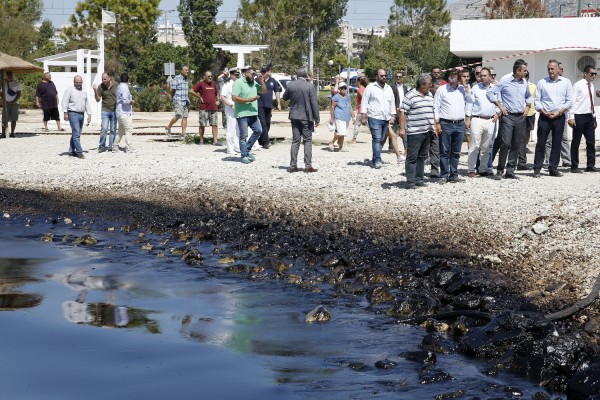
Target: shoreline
pixel 539 234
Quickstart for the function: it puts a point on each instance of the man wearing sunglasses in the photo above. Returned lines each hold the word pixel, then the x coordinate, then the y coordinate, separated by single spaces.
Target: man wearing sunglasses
pixel 582 118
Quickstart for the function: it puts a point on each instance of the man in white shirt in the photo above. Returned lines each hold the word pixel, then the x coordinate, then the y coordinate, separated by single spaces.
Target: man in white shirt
pixel 449 110
pixel 582 118
pixel 483 115
pixel 378 107
pixel 75 104
pixel 10 112
pixel 233 135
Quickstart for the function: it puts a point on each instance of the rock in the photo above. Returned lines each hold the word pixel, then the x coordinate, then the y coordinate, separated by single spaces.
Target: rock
pixel 68 221
pixel 280 267
pixel 148 246
pixel 432 325
pixel 539 228
pixel 192 256
pixel 378 295
pixel 319 314
pixel 437 343
pixel 450 395
pixel 423 356
pixel 86 240
pixel 47 237
pixel 434 375
pixel 358 366
pixel 6 216
pixel 593 326
pixel 493 259
pixel 226 260
pixel 385 364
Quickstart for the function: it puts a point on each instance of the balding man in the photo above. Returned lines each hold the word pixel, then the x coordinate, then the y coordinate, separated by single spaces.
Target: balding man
pixel 75 105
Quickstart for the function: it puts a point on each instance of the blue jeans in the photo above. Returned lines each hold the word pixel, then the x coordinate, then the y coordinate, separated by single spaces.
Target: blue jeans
pixel 243 124
pixel 451 141
pixel 76 122
pixel 378 129
pixel 108 117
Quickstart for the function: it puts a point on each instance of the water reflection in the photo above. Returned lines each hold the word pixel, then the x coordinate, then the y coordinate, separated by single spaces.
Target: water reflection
pixel 103 314
pixel 14 272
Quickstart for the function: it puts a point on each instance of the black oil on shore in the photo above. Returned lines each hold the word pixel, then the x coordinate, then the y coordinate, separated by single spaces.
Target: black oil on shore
pixel 105 311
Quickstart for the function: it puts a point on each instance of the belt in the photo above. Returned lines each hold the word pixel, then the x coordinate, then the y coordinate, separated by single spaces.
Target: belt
pixel 481 116
pixel 76 112
pixel 452 121
pixel 515 114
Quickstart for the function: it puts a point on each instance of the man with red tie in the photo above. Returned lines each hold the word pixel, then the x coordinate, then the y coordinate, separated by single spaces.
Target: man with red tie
pixel 582 118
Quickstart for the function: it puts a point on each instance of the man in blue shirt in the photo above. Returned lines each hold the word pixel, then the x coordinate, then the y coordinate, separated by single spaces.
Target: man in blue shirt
pixel 180 89
pixel 265 104
pixel 552 100
pixel 511 95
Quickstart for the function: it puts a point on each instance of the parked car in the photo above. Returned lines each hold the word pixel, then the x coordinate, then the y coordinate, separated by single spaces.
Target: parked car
pixel 283 80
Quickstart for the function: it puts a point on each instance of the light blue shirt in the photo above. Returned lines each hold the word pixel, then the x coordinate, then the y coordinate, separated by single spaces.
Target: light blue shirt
pixel 513 94
pixel 123 99
pixel 552 96
pixel 481 106
pixel 449 103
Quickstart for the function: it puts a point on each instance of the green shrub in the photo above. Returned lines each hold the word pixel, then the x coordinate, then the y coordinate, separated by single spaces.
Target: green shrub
pixel 150 100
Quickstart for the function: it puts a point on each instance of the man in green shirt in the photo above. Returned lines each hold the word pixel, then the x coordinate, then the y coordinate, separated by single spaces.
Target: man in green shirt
pixel 245 96
pixel 107 93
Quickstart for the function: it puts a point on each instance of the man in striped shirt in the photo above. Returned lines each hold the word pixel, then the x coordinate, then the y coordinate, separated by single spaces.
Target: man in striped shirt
pixel 416 124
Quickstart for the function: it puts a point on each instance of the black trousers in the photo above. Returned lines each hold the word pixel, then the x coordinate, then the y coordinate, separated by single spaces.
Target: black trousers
pixel 264 116
pixel 508 141
pixel 547 126
pixel 584 126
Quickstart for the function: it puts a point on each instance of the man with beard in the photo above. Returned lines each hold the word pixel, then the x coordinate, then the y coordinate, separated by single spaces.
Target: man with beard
pixel 208 94
pixel 245 97
pixel 107 93
pixel 75 105
pixel 378 107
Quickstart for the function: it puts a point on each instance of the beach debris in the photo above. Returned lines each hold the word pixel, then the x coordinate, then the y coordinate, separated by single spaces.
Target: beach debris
pixel 86 240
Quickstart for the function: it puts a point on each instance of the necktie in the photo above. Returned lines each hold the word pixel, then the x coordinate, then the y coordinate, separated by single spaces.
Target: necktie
pixel 591 97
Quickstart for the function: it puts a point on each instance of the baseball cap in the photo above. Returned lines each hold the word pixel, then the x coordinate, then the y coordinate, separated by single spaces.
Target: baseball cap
pixel 232 70
pixel 341 85
pixel 245 68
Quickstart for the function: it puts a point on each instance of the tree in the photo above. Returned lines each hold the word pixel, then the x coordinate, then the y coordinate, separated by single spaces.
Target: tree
pixel 508 9
pixel 284 26
pixel 17 31
pixel 149 67
pixel 45 33
pixel 133 30
pixel 198 20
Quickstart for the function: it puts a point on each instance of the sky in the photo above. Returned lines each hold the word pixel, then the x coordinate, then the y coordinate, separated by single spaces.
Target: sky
pixel 361 13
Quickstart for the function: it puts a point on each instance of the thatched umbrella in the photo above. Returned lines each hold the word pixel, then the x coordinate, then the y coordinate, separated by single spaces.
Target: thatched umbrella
pixel 14 64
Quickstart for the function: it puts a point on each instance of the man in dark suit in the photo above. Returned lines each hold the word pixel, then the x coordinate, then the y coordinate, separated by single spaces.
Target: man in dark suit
pixel 304 114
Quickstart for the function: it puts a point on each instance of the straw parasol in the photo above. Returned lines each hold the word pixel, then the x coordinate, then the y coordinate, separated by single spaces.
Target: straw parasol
pixel 14 64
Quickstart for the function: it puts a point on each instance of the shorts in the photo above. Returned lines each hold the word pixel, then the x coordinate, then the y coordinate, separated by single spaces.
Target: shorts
pixel 10 113
pixel 342 127
pixel 530 122
pixel 208 118
pixel 181 111
pixel 51 114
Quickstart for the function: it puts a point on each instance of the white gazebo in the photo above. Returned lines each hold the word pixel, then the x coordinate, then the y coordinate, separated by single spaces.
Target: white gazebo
pixel 82 62
pixel 241 50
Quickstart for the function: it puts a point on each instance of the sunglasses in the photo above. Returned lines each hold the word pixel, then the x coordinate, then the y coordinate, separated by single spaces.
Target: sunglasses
pixel 592 73
pixel 399 76
pixel 493 75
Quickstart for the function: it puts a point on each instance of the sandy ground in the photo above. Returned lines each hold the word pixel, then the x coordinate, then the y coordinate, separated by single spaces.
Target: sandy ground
pixel 542 233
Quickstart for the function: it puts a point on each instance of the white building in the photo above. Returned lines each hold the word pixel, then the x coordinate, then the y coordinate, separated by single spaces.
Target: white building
pixel 171 33
pixel 499 42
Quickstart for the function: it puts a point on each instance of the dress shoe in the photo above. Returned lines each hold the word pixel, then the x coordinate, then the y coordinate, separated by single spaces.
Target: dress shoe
pixel 554 172
pixel 472 175
pixel 524 168
pixel 2 136
pixel 576 171
pixel 495 177
pixel 79 155
pixel 12 135
pixel 294 169
pixel 592 169
pixel 420 183
pixel 509 175
pixel 536 174
pixel 434 176
pixel 566 164
pixel 485 173
pixel 410 185
pixel 310 169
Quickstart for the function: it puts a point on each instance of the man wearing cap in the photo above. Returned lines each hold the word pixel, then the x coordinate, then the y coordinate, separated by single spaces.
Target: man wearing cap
pixel 304 115
pixel 265 104
pixel 181 101
pixel 233 136
pixel 208 93
pixel 12 92
pixel 245 96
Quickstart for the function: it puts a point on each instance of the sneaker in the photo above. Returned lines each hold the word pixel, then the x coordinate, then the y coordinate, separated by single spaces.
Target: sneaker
pixel 251 157
pixel 102 149
pixel 217 144
pixel 420 183
pixel 330 146
pixel 80 155
pixel 167 131
pixel 411 185
pixel 246 160
pixel 115 149
pixel 378 165
pixel 456 179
